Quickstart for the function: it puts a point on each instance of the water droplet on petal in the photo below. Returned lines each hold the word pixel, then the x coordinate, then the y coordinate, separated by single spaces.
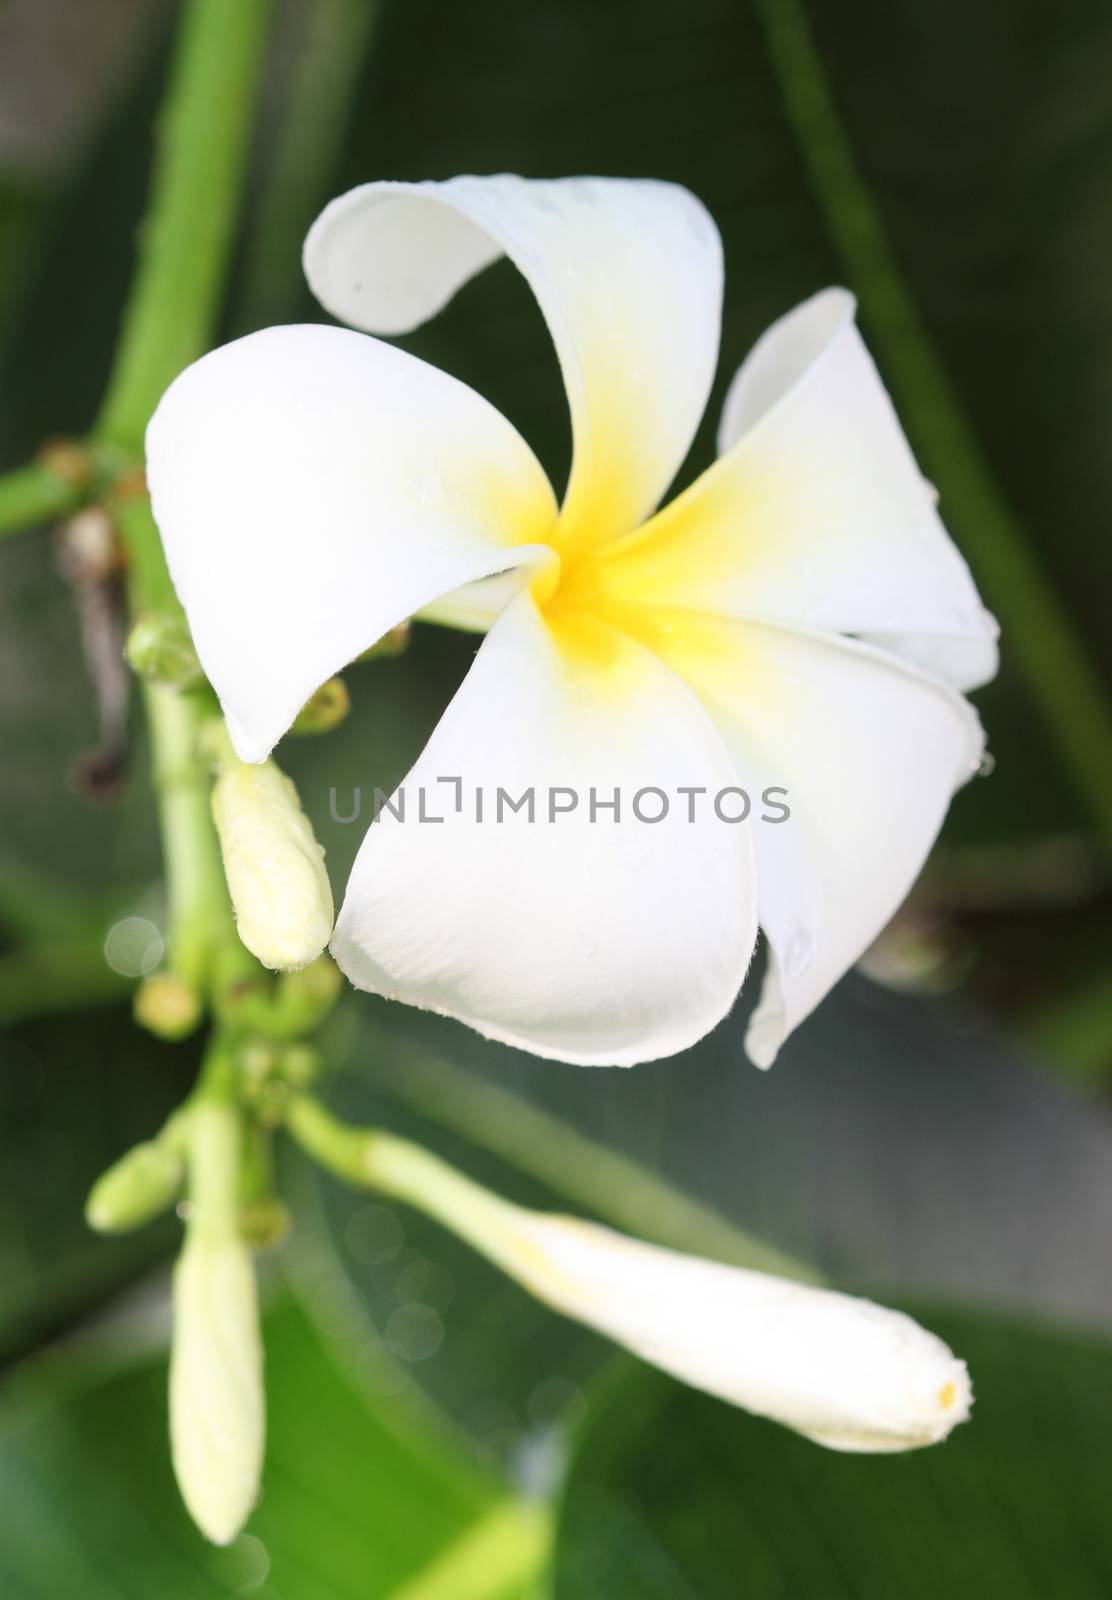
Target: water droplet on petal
pixel 984 765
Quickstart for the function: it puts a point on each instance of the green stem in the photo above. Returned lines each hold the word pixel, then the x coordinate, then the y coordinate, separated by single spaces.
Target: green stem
pixel 620 1191
pixel 204 141
pixel 591 1175
pixel 34 494
pixel 187 232
pixel 199 914
pixel 1060 679
pixel 148 579
pixel 214 1132
pixel 367 1158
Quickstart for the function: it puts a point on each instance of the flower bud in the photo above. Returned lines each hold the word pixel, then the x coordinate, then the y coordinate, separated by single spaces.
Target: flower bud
pixel 159 647
pixel 217 1419
pixel 140 1185
pixel 274 865
pixel 848 1374
pixel 167 1006
pixel 325 709
pixel 265 1223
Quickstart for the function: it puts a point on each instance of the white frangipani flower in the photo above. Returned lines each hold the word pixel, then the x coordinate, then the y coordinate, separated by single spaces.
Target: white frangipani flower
pixel 796 618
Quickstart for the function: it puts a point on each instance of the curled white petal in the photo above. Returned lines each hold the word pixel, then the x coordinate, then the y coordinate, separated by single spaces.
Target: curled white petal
pixel 845 1372
pixel 313 488
pixel 628 275
pixel 217 1420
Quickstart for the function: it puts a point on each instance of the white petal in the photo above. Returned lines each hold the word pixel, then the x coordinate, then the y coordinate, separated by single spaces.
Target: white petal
pixel 847 1373
pixel 313 488
pixel 869 751
pixel 628 275
pixel 816 514
pixel 593 942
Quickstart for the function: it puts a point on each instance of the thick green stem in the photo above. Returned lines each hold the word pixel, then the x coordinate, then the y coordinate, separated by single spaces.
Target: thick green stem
pixel 200 917
pixel 215 1144
pixel 368 1158
pixel 34 494
pixel 1038 633
pixel 203 146
pixel 585 1171
pixel 202 156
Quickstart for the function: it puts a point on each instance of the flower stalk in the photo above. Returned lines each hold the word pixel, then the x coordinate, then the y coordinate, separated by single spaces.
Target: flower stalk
pixel 204 142
pixel 34 494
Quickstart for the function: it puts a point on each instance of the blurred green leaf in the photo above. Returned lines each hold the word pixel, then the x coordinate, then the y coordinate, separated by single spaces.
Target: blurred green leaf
pixel 674 1496
pixel 73 1097
pixel 357 1504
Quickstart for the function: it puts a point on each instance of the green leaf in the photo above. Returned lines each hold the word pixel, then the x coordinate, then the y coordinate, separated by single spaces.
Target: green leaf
pixel 74 1096
pixel 357 1504
pixel 674 1496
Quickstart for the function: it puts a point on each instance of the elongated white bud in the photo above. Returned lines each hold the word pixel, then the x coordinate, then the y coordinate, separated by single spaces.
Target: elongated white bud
pixel 274 865
pixel 217 1418
pixel 847 1373
pixel 217 1409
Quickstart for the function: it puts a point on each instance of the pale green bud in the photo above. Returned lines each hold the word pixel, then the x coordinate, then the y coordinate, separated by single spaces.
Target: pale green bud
pixel 217 1415
pixel 274 866
pixel 140 1185
pixel 318 986
pixel 300 1065
pixel 325 709
pixel 159 647
pixel 167 1006
pixel 265 1223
